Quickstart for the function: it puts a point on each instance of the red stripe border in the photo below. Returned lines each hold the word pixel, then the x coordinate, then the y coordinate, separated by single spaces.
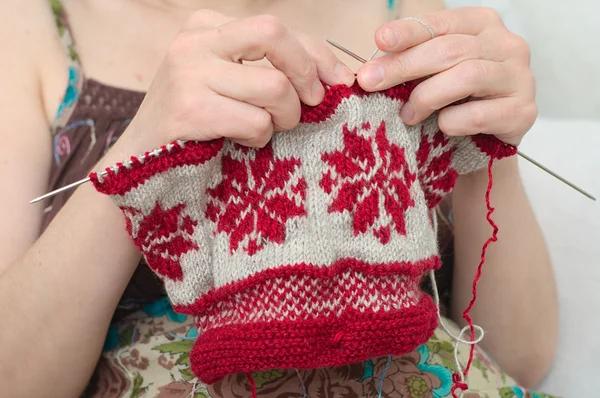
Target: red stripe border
pixel 127 178
pixel 207 300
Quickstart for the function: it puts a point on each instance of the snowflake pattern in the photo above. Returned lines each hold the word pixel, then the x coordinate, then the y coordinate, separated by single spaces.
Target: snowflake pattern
pixel 434 158
pixel 163 236
pixel 255 199
pixel 371 179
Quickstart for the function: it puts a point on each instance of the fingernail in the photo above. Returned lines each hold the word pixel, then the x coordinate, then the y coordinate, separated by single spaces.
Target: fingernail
pixel 390 37
pixel 407 113
pixel 372 75
pixel 317 89
pixel 344 73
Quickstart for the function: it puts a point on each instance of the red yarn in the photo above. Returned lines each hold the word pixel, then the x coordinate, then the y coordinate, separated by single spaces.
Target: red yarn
pixel 250 201
pixel 334 95
pixel 326 275
pixel 311 343
pixel 338 338
pixel 252 384
pixel 362 181
pixel 457 383
pixel 164 235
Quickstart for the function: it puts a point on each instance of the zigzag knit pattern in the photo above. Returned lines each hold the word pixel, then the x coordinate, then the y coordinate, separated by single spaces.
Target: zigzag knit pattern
pixel 306 253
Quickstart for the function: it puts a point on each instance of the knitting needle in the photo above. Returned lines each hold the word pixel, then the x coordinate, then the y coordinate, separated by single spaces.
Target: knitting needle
pixel 521 154
pixel 553 174
pixel 350 53
pixel 65 188
pixel 362 60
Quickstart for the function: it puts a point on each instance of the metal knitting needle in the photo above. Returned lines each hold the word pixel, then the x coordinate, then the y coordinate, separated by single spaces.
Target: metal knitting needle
pixel 362 60
pixel 521 154
pixel 65 188
pixel 553 174
pixel 350 53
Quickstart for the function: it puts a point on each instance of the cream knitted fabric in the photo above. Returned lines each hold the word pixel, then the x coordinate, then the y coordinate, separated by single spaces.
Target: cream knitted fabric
pixel 308 252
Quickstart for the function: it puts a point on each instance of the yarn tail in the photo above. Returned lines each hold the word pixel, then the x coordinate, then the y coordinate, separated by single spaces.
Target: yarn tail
pixel 493 238
pixel 252 384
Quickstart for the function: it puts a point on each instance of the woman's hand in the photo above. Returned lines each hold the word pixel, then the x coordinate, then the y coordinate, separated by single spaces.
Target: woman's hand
pixel 474 57
pixel 203 90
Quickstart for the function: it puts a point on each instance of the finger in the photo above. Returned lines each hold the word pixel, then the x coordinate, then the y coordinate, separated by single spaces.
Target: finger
pixel 507 118
pixel 401 34
pixel 239 121
pixel 259 37
pixel 260 86
pixel 472 78
pixel 426 59
pixel 330 69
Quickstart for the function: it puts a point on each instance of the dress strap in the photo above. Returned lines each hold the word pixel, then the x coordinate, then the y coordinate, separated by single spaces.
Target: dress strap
pixel 75 69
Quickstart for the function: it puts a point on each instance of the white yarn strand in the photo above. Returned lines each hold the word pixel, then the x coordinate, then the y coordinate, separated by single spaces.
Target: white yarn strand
pixel 457 339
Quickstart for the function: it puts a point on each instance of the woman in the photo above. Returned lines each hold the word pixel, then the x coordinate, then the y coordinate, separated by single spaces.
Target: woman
pixel 64 282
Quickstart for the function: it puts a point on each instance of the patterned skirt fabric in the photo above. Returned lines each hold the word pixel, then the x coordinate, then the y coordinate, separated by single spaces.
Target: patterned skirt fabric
pixel 147 355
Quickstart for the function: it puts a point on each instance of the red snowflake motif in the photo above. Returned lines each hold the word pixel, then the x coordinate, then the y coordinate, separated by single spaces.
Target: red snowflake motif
pixel 163 236
pixel 257 196
pixel 370 178
pixel 434 158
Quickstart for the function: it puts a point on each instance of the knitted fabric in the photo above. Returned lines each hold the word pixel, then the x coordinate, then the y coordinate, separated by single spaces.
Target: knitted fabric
pixel 306 253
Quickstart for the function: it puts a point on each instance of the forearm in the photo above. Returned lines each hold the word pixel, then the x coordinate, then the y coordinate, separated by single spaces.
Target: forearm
pixel 58 298
pixel 516 300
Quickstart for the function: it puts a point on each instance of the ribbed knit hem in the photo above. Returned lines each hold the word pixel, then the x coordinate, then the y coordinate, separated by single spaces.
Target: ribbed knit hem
pixel 307 316
pixel 323 342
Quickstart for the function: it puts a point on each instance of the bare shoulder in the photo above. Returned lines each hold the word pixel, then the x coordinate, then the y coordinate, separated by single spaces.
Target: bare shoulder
pixel 26 41
pixel 33 54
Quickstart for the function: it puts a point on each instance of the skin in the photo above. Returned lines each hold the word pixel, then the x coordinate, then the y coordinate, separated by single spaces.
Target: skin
pixel 59 289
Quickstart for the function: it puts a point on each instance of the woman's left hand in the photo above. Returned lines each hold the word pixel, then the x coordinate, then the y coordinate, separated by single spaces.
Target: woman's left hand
pixel 473 56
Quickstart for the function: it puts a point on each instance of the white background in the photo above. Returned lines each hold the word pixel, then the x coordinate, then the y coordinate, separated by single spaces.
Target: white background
pixel 566 61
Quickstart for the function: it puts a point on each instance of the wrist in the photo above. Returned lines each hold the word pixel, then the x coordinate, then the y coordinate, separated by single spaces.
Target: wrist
pixel 503 169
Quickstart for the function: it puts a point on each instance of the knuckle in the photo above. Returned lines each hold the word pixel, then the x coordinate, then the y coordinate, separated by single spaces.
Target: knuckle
pixel 478 118
pixel 442 22
pixel 529 114
pixel 270 27
pixel 403 65
pixel 183 43
pixel 187 42
pixel 308 70
pixel 421 100
pixel 473 72
pixel 519 46
pixel 277 84
pixel 455 49
pixel 446 124
pixel 261 129
pixel 490 15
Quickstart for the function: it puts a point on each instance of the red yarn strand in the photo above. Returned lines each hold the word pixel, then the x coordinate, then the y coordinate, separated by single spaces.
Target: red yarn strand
pixel 252 384
pixel 491 239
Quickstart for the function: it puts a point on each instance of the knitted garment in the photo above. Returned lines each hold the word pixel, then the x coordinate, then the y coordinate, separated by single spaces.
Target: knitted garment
pixel 309 252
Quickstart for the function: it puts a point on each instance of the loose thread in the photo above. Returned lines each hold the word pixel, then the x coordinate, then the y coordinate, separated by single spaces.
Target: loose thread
pixel 387 366
pixel 458 385
pixel 194 388
pixel 458 377
pixel 301 383
pixel 459 380
pixel 252 384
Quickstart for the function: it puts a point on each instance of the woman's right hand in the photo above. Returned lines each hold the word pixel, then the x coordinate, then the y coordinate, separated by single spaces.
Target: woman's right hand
pixel 203 90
